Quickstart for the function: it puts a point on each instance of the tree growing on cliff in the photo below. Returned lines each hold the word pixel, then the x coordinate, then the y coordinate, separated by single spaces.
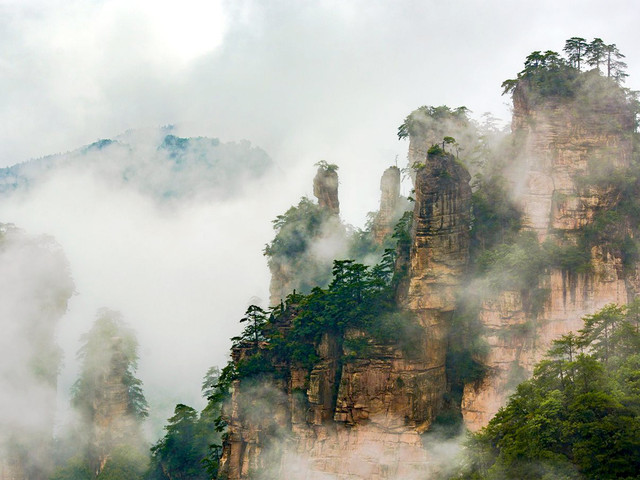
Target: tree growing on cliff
pixel 578 417
pixel 108 395
pixel 190 447
pixel 615 66
pixel 255 319
pixel 575 48
pixel 596 53
pixel 180 452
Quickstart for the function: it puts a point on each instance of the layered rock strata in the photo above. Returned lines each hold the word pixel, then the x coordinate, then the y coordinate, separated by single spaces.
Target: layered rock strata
pixel 560 148
pixel 389 203
pixel 360 417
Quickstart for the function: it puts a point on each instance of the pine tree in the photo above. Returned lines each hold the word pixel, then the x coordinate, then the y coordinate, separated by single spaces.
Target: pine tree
pixel 596 53
pixel 615 66
pixel 107 394
pixel 575 49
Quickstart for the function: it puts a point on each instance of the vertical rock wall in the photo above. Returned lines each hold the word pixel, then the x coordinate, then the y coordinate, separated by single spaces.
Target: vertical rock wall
pixel 360 417
pixel 559 145
pixel 325 189
pixel 389 203
pixel 438 260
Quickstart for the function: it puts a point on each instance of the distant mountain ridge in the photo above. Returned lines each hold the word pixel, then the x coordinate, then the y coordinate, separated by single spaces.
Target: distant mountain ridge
pixel 156 162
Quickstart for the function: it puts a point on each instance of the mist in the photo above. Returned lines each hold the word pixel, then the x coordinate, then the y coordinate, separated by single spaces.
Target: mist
pixel 302 82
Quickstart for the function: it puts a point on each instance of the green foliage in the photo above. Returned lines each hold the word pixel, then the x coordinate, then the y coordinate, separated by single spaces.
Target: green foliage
pixel 290 254
pixel 549 75
pixel 77 468
pixel 495 219
pixel 109 349
pixel 327 167
pixel 294 229
pixel 570 258
pixel 191 447
pixel 465 344
pixel 402 230
pixel 614 225
pixel 435 150
pixel 578 417
pixel 180 452
pixel 413 125
pixel 357 297
pixel 124 462
pixel 256 320
pixel 515 266
pixel 575 48
pixel 544 75
pixel 400 329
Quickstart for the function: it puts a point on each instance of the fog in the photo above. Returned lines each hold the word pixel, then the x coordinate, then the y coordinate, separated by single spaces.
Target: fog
pixel 304 81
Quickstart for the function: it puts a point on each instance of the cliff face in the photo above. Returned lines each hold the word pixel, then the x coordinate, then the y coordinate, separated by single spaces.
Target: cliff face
pixel 560 148
pixel 361 416
pixel 389 202
pixel 325 189
pixel 561 144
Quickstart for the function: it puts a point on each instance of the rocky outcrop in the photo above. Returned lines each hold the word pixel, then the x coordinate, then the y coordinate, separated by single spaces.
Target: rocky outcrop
pixel 437 262
pixel 387 216
pixel 361 415
pixel 355 415
pixel 325 188
pixel 308 237
pixel 560 144
pixel 560 148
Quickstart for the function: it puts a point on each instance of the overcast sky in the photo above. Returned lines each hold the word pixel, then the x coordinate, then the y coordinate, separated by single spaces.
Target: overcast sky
pixel 305 80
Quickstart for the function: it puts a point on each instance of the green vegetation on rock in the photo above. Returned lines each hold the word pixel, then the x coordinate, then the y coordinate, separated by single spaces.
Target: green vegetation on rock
pixel 578 417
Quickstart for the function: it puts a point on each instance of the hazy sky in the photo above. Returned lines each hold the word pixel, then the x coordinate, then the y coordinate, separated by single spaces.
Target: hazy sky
pixel 304 80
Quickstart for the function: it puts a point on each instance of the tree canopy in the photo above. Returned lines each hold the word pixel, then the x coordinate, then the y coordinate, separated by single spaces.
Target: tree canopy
pixel 579 416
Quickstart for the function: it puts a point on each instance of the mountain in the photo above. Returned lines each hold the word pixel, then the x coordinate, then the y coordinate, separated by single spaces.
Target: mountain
pixel 153 162
pixel 360 377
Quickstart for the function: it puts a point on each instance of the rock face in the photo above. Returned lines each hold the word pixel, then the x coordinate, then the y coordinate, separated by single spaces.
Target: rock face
pixel 112 422
pixel 325 189
pixel 360 417
pixel 389 203
pixel 560 146
pixel 308 238
pixel 438 259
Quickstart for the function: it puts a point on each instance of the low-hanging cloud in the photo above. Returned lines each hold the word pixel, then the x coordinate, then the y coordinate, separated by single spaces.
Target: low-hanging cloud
pixel 35 286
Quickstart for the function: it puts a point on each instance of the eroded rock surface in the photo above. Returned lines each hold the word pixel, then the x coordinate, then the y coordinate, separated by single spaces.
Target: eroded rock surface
pixel 360 416
pixel 325 189
pixel 389 204
pixel 560 147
